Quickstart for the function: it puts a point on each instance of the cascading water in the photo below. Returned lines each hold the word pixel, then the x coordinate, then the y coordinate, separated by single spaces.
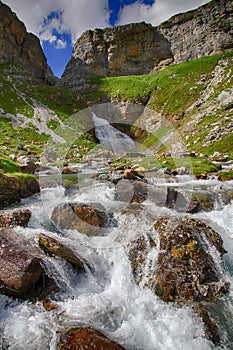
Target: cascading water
pixel 110 137
pixel 106 296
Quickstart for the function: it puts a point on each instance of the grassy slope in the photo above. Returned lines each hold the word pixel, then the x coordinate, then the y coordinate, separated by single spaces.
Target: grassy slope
pixel 175 89
pixel 18 94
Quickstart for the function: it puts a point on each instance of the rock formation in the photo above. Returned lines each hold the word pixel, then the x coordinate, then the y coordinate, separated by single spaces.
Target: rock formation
pixel 135 48
pixel 202 32
pixel 19 46
pixel 140 48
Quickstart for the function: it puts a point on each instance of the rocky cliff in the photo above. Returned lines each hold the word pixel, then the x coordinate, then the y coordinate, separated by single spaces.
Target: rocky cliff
pixel 137 48
pixel 202 32
pixel 141 48
pixel 19 46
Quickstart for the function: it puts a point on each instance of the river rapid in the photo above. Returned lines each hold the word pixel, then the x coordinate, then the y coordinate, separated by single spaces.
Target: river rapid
pixel 106 296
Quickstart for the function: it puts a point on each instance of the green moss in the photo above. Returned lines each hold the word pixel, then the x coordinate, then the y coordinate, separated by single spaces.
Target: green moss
pixel 8 166
pixel 178 253
pixel 24 177
pixel 225 176
pixel 53 124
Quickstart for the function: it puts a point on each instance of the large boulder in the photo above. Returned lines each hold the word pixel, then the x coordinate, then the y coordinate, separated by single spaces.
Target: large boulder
pixel 19 270
pixel 162 196
pixel 26 165
pixel 87 338
pixel 29 187
pixel 9 190
pixel 18 217
pixel 59 249
pixel 87 218
pixel 183 268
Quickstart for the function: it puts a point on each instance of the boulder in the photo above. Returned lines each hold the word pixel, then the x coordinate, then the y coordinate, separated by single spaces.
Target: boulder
pixel 69 170
pixel 86 218
pixel 9 190
pixel 162 196
pixel 18 217
pixel 26 165
pixel 59 249
pixel 29 188
pixel 184 269
pixel 19 271
pixel 87 338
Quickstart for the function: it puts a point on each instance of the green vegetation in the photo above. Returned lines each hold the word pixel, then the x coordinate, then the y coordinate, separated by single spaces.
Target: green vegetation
pixel 225 176
pixel 195 165
pixel 24 177
pixel 53 124
pixel 8 166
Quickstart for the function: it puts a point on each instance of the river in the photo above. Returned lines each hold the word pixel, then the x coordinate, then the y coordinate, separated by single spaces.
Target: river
pixel 106 297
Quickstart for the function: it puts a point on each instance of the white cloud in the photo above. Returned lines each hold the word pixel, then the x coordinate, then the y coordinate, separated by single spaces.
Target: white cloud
pixel 160 11
pixel 76 16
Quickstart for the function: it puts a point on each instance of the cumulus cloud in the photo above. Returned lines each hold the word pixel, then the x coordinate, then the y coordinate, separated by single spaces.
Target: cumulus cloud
pixel 160 11
pixel 70 16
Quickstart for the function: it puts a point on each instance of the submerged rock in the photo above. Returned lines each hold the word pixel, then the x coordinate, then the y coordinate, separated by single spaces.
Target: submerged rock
pixel 19 270
pixel 87 338
pixel 18 217
pixel 59 249
pixel 184 268
pixel 85 217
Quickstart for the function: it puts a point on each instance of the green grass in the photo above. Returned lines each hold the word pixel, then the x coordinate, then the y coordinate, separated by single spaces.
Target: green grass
pixel 24 177
pixel 53 124
pixel 8 166
pixel 172 90
pixel 225 176
pixel 195 165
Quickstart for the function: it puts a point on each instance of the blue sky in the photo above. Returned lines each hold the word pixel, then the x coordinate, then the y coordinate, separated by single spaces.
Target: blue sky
pixel 58 23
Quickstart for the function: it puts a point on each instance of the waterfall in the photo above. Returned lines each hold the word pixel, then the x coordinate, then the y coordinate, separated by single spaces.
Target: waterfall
pixel 110 137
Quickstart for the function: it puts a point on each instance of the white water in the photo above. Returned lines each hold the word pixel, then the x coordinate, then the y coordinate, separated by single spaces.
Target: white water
pixel 110 137
pixel 106 296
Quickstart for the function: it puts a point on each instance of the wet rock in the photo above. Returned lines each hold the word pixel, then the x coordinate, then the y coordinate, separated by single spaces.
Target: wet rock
pixel 138 191
pixel 87 338
pixel 19 271
pixel 69 170
pixel 134 174
pixel 186 270
pixel 19 217
pixel 182 171
pixel 211 328
pixel 26 165
pixel 29 188
pixel 9 190
pixel 59 249
pixel 86 218
pixel 182 269
pixel 48 305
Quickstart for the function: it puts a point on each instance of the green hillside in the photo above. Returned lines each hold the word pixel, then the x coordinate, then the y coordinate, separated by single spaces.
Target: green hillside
pixel 196 97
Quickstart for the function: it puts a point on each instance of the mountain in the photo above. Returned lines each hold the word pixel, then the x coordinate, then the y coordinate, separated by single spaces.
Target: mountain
pixel 195 95
pixel 19 46
pixel 141 49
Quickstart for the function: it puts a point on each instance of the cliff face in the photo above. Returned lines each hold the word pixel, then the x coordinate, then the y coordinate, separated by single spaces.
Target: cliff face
pixel 202 32
pixel 122 50
pixel 140 48
pixel 18 46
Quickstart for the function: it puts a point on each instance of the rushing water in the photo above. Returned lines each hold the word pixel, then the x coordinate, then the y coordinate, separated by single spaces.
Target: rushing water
pixel 105 296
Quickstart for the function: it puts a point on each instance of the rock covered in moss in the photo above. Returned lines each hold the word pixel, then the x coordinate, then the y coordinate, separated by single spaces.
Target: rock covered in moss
pixel 186 269
pixel 183 267
pixel 87 338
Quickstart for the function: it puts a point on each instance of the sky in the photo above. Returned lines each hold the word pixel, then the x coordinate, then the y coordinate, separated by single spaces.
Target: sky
pixel 59 23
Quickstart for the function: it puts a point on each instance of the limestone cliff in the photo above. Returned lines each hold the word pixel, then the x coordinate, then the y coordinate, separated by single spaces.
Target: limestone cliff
pixel 202 32
pixel 141 48
pixel 136 48
pixel 19 46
